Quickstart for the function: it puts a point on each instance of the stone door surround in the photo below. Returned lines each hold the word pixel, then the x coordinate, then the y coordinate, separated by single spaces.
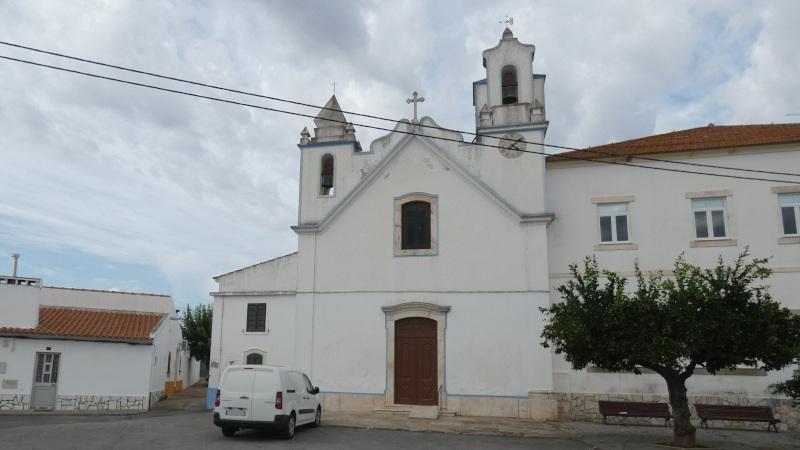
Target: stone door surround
pixel 415 309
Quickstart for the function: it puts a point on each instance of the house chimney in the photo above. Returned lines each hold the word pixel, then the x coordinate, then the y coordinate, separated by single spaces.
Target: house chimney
pixel 15 257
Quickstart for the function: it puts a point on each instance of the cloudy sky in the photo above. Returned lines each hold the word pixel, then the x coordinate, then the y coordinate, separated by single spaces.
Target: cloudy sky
pixel 117 187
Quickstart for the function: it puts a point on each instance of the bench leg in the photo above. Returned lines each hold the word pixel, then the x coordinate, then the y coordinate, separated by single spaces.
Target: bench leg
pixel 703 423
pixel 666 422
pixel 773 425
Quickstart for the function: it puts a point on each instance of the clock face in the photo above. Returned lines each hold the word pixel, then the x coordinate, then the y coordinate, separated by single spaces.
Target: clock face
pixel 511 144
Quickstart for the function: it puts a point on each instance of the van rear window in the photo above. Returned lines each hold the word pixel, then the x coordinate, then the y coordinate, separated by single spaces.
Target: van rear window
pixel 238 381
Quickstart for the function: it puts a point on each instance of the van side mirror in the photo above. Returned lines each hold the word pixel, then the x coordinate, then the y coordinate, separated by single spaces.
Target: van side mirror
pixel 315 390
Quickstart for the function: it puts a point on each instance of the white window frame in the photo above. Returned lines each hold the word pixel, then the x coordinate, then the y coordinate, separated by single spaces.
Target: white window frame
pixel 709 221
pixel 614 234
pixel 796 207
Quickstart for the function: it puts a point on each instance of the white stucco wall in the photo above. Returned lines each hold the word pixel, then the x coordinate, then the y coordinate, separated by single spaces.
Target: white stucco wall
pixel 661 225
pixel 166 354
pixel 123 301
pixel 279 274
pixel 231 342
pixel 19 306
pixel 86 368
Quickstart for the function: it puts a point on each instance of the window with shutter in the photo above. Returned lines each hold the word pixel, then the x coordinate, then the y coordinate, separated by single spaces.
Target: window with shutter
pixel 256 317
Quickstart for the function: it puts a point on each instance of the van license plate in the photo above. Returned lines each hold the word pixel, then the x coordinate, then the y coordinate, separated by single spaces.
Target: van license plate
pixel 236 412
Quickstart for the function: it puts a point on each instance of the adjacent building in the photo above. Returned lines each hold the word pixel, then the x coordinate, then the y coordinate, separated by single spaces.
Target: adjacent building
pixel 423 260
pixel 84 349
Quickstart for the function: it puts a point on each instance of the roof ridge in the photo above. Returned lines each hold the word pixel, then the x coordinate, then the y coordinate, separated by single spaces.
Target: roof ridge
pixel 114 311
pixel 107 291
pixel 253 265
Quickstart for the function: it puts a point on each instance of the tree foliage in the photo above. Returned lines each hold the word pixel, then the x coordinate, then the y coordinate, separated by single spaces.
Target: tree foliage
pixel 789 388
pixel 715 318
pixel 196 328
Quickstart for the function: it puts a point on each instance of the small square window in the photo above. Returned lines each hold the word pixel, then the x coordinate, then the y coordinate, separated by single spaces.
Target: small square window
pixel 709 217
pixel 614 225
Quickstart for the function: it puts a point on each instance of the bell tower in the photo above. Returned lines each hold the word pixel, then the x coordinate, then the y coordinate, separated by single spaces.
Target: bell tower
pixel 510 114
pixel 511 95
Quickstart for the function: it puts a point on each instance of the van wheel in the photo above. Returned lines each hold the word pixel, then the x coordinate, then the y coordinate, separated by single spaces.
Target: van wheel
pixel 288 431
pixel 228 431
pixel 318 417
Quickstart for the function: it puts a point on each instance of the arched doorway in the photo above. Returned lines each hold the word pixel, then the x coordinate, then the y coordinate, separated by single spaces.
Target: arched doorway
pixel 415 371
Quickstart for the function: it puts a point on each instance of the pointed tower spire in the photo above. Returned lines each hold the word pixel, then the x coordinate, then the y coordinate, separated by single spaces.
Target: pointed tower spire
pixel 330 123
pixel 507 34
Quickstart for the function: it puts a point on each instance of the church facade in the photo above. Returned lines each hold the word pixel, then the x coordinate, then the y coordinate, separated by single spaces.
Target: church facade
pixel 424 259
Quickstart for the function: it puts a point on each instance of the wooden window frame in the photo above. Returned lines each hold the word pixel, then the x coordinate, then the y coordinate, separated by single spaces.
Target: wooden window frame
pixel 247 328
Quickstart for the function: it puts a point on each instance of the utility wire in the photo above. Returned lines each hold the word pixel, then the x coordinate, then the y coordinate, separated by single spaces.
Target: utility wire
pixel 370 116
pixel 265 108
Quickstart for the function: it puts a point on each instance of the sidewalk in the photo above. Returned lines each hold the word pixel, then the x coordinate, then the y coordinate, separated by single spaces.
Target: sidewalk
pixel 487 426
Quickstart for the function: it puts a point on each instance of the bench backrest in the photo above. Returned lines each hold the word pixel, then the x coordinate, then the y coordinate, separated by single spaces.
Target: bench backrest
pixel 635 409
pixel 733 412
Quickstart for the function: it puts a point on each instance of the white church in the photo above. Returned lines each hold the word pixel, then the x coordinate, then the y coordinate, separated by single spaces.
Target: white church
pixel 423 259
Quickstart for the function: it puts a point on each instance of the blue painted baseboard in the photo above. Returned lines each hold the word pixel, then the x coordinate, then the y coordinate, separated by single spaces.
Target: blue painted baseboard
pixel 210 397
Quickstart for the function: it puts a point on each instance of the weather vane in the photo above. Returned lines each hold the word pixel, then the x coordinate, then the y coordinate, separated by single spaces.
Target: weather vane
pixel 508 20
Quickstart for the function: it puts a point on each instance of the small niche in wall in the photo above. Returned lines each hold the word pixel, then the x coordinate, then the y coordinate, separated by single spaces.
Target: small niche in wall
pixel 9 384
pixel 3 367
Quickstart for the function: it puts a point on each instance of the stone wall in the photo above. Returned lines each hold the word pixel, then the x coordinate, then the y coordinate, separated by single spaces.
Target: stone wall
pixel 11 402
pixel 583 407
pixel 100 403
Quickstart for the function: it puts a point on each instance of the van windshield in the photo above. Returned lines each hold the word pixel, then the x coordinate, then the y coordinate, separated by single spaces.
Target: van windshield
pixel 265 381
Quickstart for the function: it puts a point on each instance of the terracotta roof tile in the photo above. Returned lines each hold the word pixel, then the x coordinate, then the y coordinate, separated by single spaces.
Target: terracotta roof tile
pixel 704 138
pixel 91 324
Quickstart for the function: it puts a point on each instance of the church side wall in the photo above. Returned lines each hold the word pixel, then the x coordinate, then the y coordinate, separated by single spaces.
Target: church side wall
pixel 231 342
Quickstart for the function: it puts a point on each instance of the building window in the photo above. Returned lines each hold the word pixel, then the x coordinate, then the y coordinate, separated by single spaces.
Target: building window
pixel 415 225
pixel 613 222
pixel 709 217
pixel 790 212
pixel 256 317
pixel 255 359
pixel 508 77
pixel 326 175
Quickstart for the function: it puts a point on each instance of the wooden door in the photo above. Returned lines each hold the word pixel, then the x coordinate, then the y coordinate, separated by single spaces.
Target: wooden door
pixel 415 362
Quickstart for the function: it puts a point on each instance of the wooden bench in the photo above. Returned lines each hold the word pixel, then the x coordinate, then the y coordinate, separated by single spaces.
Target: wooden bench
pixel 635 409
pixel 736 413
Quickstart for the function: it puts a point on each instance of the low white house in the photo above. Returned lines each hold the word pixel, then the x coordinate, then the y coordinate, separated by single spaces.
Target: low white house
pixel 424 259
pixel 83 349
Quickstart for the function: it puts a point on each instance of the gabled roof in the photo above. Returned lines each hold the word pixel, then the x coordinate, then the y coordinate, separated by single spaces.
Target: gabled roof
pixel 91 325
pixel 254 265
pixel 428 143
pixel 703 138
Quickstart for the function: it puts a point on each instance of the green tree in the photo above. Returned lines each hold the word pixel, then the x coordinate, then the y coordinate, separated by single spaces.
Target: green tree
pixel 714 318
pixel 196 328
pixel 789 388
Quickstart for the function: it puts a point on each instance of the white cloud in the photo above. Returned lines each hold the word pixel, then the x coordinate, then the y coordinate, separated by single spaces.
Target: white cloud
pixel 196 188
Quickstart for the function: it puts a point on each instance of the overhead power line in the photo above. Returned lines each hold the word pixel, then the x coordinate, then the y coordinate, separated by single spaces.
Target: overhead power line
pixel 391 130
pixel 371 116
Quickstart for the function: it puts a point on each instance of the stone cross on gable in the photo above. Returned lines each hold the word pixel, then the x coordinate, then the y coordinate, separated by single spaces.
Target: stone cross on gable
pixel 414 99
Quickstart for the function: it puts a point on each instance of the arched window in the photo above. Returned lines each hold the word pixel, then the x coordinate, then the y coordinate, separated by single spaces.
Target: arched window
pixel 508 80
pixel 326 175
pixel 255 359
pixel 416 224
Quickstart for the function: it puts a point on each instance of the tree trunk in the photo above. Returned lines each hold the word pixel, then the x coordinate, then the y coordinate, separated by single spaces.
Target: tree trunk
pixel 684 431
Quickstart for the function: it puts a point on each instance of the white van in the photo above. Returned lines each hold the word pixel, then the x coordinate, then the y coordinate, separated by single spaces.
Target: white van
pixel 254 396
